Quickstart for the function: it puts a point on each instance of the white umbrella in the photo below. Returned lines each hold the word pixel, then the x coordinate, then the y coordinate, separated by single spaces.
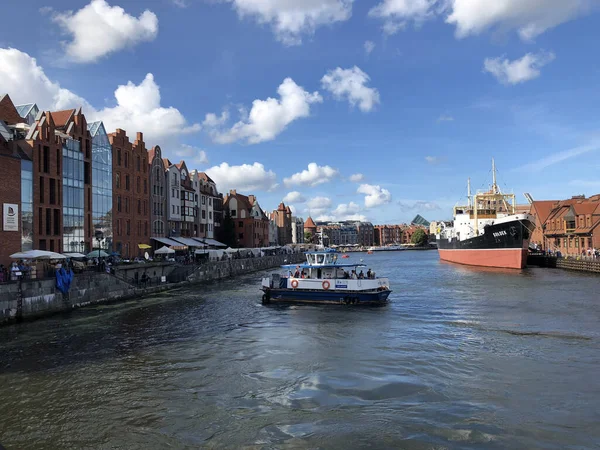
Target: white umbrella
pixel 164 251
pixel 37 254
pixel 74 255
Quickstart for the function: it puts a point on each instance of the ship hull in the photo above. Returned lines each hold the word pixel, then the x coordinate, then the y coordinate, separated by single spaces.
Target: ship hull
pixel 503 245
pixel 377 298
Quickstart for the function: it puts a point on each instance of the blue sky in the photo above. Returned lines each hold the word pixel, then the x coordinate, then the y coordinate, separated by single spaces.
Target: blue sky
pixel 414 95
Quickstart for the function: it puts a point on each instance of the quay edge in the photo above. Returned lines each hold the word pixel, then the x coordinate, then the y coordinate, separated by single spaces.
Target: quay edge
pixel 34 299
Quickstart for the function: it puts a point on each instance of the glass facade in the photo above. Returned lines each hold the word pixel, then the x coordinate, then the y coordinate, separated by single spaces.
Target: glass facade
pixel 26 205
pixel 101 187
pixel 73 197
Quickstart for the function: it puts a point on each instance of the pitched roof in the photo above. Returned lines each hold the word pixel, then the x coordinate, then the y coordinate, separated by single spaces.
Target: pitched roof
pixel 8 111
pixel 204 176
pixel 310 223
pixel 281 207
pixel 288 210
pixel 542 209
pixel 61 117
pixel 167 163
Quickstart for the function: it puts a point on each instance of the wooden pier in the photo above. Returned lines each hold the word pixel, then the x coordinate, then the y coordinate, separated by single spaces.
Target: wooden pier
pixel 567 263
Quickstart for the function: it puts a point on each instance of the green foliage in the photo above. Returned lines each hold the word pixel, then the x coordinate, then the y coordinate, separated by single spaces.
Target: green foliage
pixel 419 238
pixel 308 237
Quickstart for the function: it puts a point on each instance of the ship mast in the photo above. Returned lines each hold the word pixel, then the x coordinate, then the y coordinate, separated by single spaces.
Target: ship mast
pixel 494 185
pixel 469 192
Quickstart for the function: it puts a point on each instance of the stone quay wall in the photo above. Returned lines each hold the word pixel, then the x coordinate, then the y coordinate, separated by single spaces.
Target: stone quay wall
pixel 569 263
pixel 32 299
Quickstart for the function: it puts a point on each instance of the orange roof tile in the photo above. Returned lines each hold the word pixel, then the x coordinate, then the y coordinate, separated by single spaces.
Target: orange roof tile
pixel 61 117
pixel 310 223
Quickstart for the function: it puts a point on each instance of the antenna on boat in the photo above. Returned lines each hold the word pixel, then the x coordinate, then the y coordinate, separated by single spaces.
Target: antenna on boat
pixel 494 185
pixel 469 192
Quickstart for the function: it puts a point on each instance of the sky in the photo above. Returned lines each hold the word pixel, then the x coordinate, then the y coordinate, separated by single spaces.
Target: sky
pixel 345 109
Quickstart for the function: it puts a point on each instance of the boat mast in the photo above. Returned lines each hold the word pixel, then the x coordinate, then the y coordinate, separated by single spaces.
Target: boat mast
pixel 469 192
pixel 494 185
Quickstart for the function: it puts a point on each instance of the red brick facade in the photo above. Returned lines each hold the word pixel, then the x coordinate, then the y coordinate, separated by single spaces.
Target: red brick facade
pixel 131 216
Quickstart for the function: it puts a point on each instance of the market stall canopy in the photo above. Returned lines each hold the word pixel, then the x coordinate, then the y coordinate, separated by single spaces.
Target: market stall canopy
pixel 74 255
pixel 97 254
pixel 164 251
pixel 186 241
pixel 201 252
pixel 37 254
pixel 166 241
pixel 213 243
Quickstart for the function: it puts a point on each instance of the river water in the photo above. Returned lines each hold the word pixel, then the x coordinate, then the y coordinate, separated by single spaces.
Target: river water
pixel 460 358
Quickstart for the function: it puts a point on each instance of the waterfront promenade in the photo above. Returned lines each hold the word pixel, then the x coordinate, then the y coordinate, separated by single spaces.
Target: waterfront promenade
pixel 31 299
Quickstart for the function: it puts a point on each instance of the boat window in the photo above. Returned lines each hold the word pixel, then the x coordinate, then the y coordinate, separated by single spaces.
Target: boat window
pixel 320 259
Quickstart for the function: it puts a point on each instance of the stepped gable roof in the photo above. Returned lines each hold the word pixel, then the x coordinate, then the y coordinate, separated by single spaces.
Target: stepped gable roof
pixel 61 118
pixel 281 207
pixel 205 177
pixel 310 223
pixel 8 111
pixel 151 154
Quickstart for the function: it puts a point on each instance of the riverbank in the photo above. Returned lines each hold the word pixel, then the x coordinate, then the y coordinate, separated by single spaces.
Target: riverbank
pixel 33 299
pixel 568 263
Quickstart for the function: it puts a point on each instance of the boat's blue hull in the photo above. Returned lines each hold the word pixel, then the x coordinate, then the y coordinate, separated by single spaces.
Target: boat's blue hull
pixel 377 298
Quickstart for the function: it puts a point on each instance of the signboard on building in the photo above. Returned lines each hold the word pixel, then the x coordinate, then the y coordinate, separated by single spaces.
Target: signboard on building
pixel 10 217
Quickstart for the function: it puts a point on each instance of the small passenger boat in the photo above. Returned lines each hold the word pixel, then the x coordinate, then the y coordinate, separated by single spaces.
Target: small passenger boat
pixel 324 280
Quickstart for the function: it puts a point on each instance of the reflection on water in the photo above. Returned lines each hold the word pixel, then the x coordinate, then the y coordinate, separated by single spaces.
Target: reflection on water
pixel 461 358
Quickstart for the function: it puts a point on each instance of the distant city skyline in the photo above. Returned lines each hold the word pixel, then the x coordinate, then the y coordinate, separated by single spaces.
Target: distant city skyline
pixel 359 111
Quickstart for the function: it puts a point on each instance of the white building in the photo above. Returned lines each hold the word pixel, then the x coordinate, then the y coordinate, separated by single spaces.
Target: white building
pixel 273 230
pixel 173 185
pixel 207 192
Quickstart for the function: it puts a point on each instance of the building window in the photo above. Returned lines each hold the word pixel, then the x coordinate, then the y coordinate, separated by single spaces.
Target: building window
pixel 175 179
pixel 138 164
pixel 118 180
pixel 177 192
pixel 233 213
pixel 126 159
pixel 42 189
pixel 209 201
pixel 145 186
pixel 118 157
pixel 126 204
pixel 139 202
pixel 203 214
pixel 118 203
pixel 126 182
pixel 210 215
pixel 138 185
pixel 46 159
pixel 203 200
pixel 241 224
pixel 241 235
pixel 128 227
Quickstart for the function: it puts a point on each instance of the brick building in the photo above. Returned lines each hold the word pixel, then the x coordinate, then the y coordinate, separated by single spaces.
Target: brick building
pixel 251 223
pixel 571 226
pixel 189 202
pixel 282 217
pixel 157 193
pixel 311 227
pixel 130 194
pixel 388 234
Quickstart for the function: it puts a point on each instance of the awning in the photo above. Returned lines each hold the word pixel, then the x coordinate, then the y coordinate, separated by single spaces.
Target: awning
pixel 200 240
pixel 166 241
pixel 144 246
pixel 187 241
pixel 213 243
pixel 74 255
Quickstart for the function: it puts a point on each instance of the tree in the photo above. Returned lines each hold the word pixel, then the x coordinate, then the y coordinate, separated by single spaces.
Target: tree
pixel 308 237
pixel 228 233
pixel 419 238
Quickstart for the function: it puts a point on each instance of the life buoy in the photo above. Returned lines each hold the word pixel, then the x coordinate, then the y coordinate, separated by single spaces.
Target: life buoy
pixel 294 284
pixel 326 285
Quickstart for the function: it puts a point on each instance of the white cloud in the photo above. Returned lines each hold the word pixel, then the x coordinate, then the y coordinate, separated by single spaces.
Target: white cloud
pixel 294 197
pixel 312 176
pixel 433 159
pixel 291 19
pixel 99 29
pixel 243 178
pixel 137 107
pixel 374 195
pixel 369 47
pixel 267 118
pixel 445 118
pixel 517 71
pixel 351 84
pixel 26 82
pixel 419 205
pixel 343 211
pixel 180 3
pixel 529 17
pixel 318 205
pixel 192 155
pixel 397 13
pixel 555 158
pixel 357 177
